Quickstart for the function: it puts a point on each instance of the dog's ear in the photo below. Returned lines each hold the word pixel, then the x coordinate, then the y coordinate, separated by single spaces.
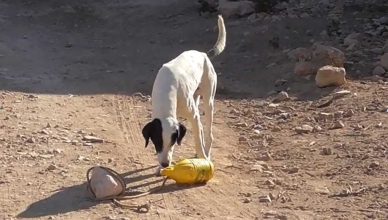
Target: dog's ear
pixel 181 133
pixel 147 130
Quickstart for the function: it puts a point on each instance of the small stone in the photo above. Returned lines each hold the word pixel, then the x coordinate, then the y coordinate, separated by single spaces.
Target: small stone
pixel 44 131
pixel 291 170
pixel 82 158
pixel 330 76
pixel 257 167
pixel 338 114
pixel 326 151
pixel 87 144
pixel 281 96
pixel 92 139
pixel 269 183
pixel 378 70
pixel 379 125
pixel 348 113
pixel 242 139
pixel 266 199
pixel 374 165
pixel 247 200
pixel 31 140
pixel 341 93
pixel 317 128
pixel 242 125
pixel 304 129
pixel 51 167
pixel 57 151
pixel 265 157
pixel 338 125
pixel 325 116
pixel 322 190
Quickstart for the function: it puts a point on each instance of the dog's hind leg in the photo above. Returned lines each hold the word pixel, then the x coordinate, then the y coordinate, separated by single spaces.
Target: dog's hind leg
pixel 208 106
pixel 194 118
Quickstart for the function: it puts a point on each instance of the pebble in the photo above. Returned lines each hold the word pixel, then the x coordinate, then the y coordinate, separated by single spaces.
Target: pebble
pixel 348 113
pixel 269 183
pixel 92 139
pixel 247 200
pixel 266 199
pixel 338 125
pixel 326 151
pixel 242 139
pixel 257 167
pixel 51 167
pixel 242 125
pixel 265 157
pixel 281 96
pixel 322 190
pixel 304 129
pixel 338 114
pixel 31 140
pixel 341 93
pixel 291 170
pixel 44 131
pixel 374 165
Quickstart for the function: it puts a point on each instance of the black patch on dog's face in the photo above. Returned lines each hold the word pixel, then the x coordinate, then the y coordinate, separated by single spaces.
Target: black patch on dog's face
pixel 154 131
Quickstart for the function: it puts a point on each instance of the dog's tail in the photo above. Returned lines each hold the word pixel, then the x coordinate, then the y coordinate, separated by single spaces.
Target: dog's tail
pixel 219 46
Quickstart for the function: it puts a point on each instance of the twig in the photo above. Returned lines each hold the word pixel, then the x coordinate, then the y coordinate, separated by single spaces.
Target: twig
pixel 349 193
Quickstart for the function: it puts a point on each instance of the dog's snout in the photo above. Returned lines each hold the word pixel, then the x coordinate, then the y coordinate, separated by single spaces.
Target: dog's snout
pixel 164 165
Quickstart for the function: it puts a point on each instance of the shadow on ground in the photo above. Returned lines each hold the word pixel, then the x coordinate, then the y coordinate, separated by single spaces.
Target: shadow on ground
pixel 75 198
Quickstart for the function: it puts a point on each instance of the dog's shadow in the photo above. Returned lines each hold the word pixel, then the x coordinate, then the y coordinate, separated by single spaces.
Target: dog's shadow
pixel 77 197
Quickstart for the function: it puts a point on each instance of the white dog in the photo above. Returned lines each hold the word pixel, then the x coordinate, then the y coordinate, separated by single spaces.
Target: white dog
pixel 176 92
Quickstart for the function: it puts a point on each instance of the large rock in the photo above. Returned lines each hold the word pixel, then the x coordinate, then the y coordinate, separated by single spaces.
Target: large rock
pixel 378 70
pixel 330 76
pixel 304 68
pixel 385 48
pixel 351 41
pixel 327 55
pixel 309 60
pixel 235 8
pixel 384 61
pixel 300 54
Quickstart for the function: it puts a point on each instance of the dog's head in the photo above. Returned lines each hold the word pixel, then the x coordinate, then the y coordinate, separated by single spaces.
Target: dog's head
pixel 164 133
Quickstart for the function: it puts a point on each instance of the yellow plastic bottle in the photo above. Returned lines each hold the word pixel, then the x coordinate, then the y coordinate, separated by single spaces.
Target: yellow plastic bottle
pixel 190 171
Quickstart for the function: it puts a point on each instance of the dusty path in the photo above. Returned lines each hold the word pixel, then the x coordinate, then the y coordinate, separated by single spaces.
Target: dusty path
pixel 58 155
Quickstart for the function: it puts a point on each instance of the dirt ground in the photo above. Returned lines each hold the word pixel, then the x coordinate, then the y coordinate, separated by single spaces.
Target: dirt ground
pixel 79 68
